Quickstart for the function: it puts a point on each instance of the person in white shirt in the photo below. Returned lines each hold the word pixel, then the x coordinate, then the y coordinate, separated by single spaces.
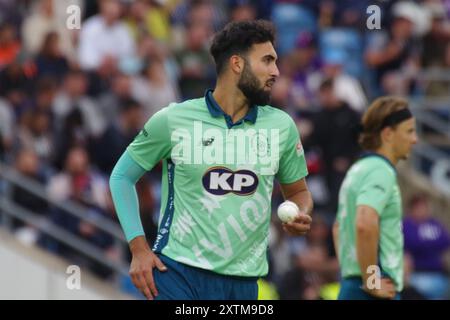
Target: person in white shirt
pixel 105 36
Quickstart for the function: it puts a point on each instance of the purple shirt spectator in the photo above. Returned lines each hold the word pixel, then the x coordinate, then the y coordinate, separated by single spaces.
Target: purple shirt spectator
pixel 426 241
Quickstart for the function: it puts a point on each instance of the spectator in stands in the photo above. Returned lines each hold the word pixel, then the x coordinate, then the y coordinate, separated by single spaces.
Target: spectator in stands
pixel 15 82
pixel 79 181
pixel 303 66
pixel 439 85
pixel 121 90
pixel 42 20
pixel 28 164
pixel 50 61
pixel 394 52
pixel 35 133
pixel 436 41
pixel 105 36
pixel 80 184
pixel 154 89
pixel 9 45
pixel 150 18
pixel 427 240
pixel 334 134
pixel 195 63
pixel 243 10
pixel 118 135
pixel 346 88
pixel 78 118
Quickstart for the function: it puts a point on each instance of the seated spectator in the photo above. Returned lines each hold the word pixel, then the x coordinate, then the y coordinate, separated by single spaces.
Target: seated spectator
pixel 9 45
pixel 78 118
pixel 28 164
pixel 42 20
pixel 79 181
pixel 35 134
pixel 119 134
pixel 149 18
pixel 347 88
pixel 50 60
pixel 438 83
pixel 303 66
pixel 15 83
pixel 436 41
pixel 394 52
pixel 154 90
pixel 335 135
pixel 427 240
pixel 197 71
pixel 105 36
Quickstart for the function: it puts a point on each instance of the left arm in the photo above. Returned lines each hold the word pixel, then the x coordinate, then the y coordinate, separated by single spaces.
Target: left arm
pixel 298 193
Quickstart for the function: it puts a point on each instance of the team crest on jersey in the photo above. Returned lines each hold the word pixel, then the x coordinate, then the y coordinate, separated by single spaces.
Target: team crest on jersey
pixel 220 181
pixel 260 144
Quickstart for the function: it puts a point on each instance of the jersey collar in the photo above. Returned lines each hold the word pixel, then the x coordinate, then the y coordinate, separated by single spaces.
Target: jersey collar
pixel 216 111
pixel 374 154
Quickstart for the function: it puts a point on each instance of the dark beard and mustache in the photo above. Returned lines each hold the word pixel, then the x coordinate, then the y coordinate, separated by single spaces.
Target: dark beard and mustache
pixel 252 89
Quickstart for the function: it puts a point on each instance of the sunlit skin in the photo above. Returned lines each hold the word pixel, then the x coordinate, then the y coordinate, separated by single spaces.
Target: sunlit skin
pixel 397 142
pixel 262 62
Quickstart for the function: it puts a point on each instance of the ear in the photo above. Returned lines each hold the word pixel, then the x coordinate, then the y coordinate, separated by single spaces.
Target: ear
pixel 387 134
pixel 236 64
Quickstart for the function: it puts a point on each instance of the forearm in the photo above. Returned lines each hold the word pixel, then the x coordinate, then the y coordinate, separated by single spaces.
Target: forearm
pixel 366 249
pixel 122 184
pixel 336 239
pixel 303 200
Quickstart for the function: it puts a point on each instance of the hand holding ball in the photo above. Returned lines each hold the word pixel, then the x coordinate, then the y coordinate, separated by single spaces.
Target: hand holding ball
pixel 288 211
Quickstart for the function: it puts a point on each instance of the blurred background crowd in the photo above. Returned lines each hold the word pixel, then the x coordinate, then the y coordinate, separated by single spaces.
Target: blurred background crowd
pixel 71 100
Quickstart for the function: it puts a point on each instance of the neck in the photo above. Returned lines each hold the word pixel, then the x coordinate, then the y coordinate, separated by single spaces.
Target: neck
pixel 388 153
pixel 231 100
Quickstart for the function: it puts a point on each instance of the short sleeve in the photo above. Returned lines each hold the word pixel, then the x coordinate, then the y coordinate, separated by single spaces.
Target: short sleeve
pixel 292 165
pixel 376 189
pixel 153 143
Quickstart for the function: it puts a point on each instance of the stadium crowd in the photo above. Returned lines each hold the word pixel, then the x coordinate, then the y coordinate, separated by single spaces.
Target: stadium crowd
pixel 71 100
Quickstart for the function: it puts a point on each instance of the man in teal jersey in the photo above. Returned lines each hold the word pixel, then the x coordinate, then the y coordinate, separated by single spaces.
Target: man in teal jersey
pixel 368 229
pixel 220 154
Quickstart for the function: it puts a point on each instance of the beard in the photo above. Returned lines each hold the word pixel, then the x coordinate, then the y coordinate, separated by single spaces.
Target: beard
pixel 252 89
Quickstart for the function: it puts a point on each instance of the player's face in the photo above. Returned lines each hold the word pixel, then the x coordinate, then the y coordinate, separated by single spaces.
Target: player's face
pixel 259 74
pixel 405 137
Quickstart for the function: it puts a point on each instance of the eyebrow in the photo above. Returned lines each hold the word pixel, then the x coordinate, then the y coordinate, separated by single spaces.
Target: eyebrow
pixel 271 56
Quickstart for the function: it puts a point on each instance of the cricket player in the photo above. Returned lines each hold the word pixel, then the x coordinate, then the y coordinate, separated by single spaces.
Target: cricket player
pixel 220 155
pixel 368 228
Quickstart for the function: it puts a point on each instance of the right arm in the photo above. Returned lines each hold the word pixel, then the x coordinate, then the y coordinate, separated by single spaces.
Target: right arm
pixel 367 238
pixel 122 184
pixel 150 146
pixel 371 201
pixel 335 231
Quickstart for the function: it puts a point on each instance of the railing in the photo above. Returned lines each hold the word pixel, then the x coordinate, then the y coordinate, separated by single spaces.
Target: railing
pixel 10 210
pixel 432 156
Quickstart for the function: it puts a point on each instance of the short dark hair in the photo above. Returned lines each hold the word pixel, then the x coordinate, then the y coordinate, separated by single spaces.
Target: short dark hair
pixel 238 38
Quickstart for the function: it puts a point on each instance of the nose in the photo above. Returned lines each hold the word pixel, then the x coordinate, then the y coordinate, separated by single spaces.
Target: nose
pixel 414 138
pixel 275 72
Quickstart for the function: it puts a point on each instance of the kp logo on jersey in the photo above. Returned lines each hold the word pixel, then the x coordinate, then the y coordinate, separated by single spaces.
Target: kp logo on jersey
pixel 220 181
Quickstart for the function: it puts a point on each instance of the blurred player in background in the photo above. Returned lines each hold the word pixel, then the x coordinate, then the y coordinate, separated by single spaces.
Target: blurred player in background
pixel 367 232
pixel 213 228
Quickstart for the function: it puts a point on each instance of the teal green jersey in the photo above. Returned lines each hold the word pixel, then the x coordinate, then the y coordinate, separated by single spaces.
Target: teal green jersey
pixel 217 181
pixel 372 181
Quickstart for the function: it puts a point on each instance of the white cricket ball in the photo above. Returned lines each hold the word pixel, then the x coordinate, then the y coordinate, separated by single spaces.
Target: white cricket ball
pixel 288 211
